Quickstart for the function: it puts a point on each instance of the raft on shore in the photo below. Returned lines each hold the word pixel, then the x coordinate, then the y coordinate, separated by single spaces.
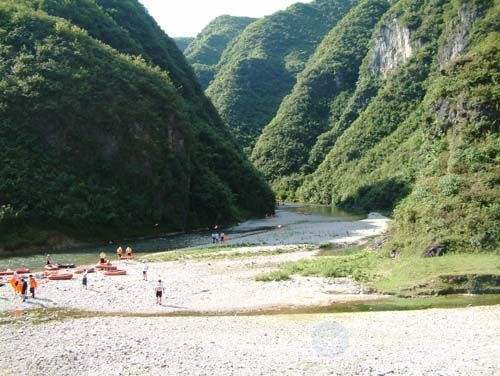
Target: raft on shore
pixel 60 276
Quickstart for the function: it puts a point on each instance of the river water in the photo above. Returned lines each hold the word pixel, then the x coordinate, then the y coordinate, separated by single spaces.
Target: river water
pixel 89 255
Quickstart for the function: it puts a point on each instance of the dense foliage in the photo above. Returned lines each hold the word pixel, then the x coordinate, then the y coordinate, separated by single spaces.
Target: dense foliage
pixel 260 67
pixel 370 104
pixel 183 42
pixel 320 95
pixel 92 140
pixel 426 142
pixel 395 110
pixel 205 51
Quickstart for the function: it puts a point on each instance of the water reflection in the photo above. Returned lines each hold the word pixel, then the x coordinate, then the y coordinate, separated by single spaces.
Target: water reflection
pixel 324 210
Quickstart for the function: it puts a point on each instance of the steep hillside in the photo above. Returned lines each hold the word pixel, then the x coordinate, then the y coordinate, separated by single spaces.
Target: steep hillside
pixel 205 51
pixel 260 67
pixel 94 142
pixel 423 135
pixel 183 42
pixel 320 95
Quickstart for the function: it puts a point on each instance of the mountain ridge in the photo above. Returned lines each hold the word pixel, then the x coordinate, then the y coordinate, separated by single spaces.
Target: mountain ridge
pixel 205 51
pixel 261 65
pixel 361 125
pixel 151 150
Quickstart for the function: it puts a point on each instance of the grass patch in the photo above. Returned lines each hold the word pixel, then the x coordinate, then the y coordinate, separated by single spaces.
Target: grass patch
pixel 216 253
pixel 405 276
pixel 359 266
pixel 331 249
pixel 185 254
pixel 277 275
pixel 418 275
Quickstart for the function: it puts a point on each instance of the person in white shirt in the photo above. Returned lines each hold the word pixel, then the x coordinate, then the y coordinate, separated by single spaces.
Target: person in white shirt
pixel 145 271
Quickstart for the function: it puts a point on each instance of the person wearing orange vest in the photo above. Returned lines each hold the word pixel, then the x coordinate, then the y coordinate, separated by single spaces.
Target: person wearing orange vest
pixel 14 282
pixel 33 285
pixel 19 286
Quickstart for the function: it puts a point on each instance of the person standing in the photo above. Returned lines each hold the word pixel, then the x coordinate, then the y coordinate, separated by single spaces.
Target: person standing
pixel 19 286
pixel 24 289
pixel 33 285
pixel 145 271
pixel 85 279
pixel 159 291
pixel 14 281
pixel 48 260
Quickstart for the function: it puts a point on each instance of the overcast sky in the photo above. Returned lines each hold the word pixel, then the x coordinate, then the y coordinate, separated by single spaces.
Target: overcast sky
pixel 186 18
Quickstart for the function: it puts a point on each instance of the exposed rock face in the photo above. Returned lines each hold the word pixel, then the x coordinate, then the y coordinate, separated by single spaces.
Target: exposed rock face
pixel 450 114
pixel 392 48
pixel 460 34
pixel 435 250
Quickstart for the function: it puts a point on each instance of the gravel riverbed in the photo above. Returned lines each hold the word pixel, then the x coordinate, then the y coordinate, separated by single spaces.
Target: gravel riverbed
pixel 431 342
pixel 227 284
pixel 194 286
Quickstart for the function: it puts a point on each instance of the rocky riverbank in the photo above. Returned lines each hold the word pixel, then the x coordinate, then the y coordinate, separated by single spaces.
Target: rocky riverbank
pixel 431 342
pixel 204 285
pixel 223 280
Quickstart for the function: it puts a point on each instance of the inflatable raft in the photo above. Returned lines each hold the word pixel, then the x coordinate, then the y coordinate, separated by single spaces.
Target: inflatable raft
pixel 106 267
pixel 81 270
pixel 18 271
pixel 115 272
pixel 66 266
pixel 60 276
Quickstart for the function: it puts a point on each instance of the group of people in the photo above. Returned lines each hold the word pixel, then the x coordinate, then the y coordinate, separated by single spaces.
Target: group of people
pixel 128 253
pixel 20 285
pixel 218 237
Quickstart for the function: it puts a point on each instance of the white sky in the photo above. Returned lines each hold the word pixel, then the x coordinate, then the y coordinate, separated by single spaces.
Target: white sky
pixel 186 18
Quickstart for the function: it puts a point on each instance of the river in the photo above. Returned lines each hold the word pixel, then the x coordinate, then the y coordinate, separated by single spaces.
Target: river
pixel 89 255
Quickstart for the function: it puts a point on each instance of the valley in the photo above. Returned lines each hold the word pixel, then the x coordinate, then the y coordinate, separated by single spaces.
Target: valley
pixel 306 188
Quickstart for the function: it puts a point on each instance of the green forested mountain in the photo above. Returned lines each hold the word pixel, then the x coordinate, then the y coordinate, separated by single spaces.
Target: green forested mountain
pixel 369 104
pixel 94 141
pixel 320 95
pixel 260 67
pixel 206 49
pixel 396 108
pixel 183 42
pixel 428 141
pixel 418 133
